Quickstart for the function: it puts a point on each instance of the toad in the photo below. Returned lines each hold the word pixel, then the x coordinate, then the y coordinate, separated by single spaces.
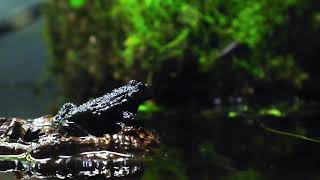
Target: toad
pixel 103 114
pixel 101 137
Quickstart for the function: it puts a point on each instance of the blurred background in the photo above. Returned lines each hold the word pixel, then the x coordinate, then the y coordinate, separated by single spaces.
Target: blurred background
pixel 235 83
pixel 24 55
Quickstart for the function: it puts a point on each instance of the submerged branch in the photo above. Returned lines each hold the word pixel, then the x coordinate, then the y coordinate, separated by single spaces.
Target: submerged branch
pixel 283 133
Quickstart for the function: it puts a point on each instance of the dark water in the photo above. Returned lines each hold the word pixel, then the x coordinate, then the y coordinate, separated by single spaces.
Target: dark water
pixel 23 59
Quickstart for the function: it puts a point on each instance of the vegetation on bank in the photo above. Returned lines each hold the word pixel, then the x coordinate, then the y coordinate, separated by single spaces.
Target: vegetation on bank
pixel 103 43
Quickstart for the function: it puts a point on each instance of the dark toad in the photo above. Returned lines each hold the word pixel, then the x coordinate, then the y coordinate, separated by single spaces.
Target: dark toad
pixel 103 114
pixel 98 138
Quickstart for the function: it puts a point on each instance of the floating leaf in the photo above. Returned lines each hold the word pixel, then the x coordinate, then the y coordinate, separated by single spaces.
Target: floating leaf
pixel 271 112
pixel 232 114
pixel 149 106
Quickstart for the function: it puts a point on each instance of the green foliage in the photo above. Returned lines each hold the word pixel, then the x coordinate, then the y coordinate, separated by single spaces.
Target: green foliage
pixel 284 67
pixel 271 67
pixel 150 33
pixel 113 41
pixel 158 30
pixel 255 19
pixel 76 4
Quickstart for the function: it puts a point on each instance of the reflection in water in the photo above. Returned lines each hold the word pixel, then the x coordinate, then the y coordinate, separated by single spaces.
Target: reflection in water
pixel 88 164
pixel 31 148
pixel 99 138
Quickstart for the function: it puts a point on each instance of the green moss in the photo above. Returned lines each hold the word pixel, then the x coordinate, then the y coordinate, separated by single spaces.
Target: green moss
pixel 115 41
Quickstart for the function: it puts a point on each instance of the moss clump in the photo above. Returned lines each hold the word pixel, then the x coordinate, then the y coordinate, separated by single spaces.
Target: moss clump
pixel 102 43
